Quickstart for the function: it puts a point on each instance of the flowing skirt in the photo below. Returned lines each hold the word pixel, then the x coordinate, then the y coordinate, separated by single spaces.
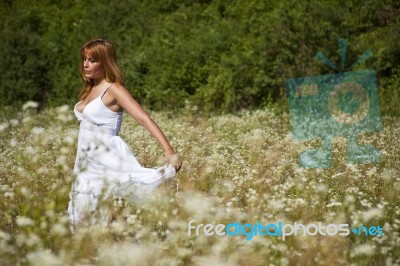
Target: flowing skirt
pixel 106 167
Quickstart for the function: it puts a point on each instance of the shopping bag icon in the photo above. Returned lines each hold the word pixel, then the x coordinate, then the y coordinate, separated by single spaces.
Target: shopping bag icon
pixel 341 104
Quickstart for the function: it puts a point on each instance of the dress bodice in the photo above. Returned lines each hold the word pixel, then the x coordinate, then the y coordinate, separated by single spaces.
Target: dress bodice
pixel 96 112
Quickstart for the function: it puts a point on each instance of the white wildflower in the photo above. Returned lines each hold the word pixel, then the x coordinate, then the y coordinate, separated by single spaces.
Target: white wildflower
pixel 131 219
pixel 284 261
pixel 5 236
pixel 61 160
pixel 210 260
pixel 42 170
pixel 127 254
pixel 4 126
pixel 32 240
pixel 363 250
pixel 396 186
pixel 9 194
pixel 198 205
pixel 37 130
pixel 65 150
pixel 14 122
pixel 349 199
pixel 371 214
pixel 43 257
pixel 353 168
pixel 24 221
pixel 25 191
pixel 366 203
pixel 62 109
pixel 30 150
pixel 64 117
pixel 30 104
pixel 280 247
pixel 333 203
pixel 388 176
pixel 372 171
pixel 14 142
pixel 26 119
pixel 59 229
pixel 276 204
pixel 321 187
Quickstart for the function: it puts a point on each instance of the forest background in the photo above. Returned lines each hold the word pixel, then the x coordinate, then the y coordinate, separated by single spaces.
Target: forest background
pixel 212 74
pixel 208 56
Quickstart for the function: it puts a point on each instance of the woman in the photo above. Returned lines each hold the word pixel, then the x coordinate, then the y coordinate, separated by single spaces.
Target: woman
pixel 104 163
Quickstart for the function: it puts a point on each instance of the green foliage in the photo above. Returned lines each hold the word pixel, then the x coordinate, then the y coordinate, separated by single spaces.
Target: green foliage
pixel 213 55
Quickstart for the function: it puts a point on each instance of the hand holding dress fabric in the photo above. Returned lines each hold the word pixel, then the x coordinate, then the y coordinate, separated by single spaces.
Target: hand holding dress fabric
pixel 174 160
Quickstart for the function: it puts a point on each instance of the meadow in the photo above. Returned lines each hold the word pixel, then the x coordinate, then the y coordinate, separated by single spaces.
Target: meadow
pixel 237 167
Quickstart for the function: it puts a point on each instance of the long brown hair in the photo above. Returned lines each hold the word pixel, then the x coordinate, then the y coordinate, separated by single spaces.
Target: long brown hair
pixel 103 51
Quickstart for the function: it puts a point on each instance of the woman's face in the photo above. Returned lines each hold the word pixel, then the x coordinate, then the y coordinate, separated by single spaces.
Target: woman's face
pixel 93 69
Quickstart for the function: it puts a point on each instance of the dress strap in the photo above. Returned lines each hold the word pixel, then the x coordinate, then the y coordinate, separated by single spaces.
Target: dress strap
pixel 104 92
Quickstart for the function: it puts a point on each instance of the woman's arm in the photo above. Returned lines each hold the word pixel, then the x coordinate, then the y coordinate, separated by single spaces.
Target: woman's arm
pixel 125 100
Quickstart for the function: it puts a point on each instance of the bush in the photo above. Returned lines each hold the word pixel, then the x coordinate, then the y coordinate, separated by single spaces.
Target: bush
pixel 213 55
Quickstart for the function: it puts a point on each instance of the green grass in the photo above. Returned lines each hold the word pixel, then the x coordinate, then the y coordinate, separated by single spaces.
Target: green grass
pixel 240 167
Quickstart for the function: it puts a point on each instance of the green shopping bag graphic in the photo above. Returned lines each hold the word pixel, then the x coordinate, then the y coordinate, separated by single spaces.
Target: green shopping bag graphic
pixel 341 104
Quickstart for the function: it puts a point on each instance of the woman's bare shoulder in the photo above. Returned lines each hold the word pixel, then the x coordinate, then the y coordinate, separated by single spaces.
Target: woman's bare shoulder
pixel 120 93
pixel 117 89
pixel 117 86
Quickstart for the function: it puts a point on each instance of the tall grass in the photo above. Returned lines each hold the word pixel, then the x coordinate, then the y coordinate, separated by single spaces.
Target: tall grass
pixel 241 167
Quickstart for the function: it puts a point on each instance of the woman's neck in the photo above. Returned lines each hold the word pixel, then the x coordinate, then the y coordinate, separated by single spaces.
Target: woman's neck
pixel 98 83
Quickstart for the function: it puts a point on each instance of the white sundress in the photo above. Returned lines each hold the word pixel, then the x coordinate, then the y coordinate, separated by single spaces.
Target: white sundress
pixel 105 165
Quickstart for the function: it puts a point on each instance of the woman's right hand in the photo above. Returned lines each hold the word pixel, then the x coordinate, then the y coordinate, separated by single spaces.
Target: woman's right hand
pixel 174 160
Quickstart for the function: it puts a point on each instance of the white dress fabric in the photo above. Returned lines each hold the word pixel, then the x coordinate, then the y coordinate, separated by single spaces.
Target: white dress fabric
pixel 105 166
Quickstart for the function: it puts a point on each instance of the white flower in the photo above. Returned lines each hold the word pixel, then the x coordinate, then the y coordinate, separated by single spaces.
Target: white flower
pixel 333 204
pixel 37 130
pixel 321 187
pixel 32 240
pixel 276 204
pixel 24 221
pixel 396 186
pixel 61 160
pixel 363 250
pixel 131 219
pixel 388 176
pixel 127 254
pixel 5 236
pixel 349 199
pixel 64 150
pixel 26 119
pixel 64 117
pixel 210 260
pixel 372 171
pixel 30 104
pixel 43 257
pixel 69 139
pixel 4 126
pixel 14 122
pixel 59 229
pixel 62 109
pixel 25 191
pixel 371 214
pixel 197 205
pixel 30 150
pixel 14 142
pixel 42 170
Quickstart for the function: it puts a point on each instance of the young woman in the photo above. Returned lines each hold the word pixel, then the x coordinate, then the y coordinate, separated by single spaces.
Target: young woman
pixel 104 162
